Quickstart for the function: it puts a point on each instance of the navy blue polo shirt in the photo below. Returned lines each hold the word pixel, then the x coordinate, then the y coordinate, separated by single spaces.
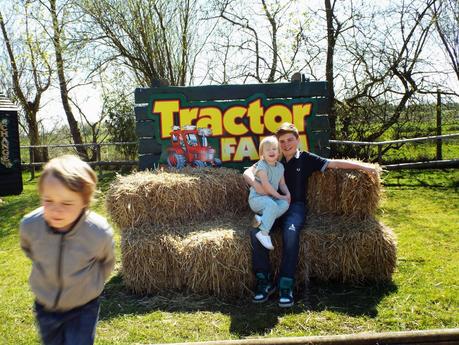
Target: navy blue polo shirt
pixel 297 172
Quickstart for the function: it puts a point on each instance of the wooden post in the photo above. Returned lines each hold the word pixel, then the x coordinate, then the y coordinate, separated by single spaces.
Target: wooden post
pixel 379 154
pixel 439 141
pixel 98 158
pixel 32 160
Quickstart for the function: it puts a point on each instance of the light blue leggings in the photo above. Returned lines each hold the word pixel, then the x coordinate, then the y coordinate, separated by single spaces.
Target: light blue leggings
pixel 269 208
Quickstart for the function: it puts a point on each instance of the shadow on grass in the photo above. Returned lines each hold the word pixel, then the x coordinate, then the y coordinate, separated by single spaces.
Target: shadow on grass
pixel 415 178
pixel 12 211
pixel 349 299
pixel 247 319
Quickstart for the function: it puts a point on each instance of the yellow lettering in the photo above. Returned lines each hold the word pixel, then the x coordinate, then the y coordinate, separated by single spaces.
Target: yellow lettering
pixel 300 111
pixel 229 120
pixel 211 117
pixel 165 110
pixel 246 149
pixel 187 115
pixel 227 147
pixel 255 113
pixel 5 146
pixel 275 115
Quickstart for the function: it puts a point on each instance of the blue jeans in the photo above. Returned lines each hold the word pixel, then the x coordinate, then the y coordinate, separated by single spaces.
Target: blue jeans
pixel 269 208
pixel 291 223
pixel 73 327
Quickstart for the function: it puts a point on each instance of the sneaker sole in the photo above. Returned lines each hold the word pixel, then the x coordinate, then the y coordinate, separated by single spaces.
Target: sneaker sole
pixel 286 305
pixel 256 301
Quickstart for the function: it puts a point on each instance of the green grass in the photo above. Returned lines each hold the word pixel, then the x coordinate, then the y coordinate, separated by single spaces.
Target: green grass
pixel 421 207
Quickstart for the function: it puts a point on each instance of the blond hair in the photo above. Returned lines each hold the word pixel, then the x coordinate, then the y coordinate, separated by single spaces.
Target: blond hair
pixel 73 173
pixel 287 128
pixel 271 140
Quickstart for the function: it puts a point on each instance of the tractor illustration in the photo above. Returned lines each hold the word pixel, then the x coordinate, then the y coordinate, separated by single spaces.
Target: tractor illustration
pixel 190 147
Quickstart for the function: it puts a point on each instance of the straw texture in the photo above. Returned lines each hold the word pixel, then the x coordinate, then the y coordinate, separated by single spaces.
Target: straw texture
pixel 214 257
pixel 188 230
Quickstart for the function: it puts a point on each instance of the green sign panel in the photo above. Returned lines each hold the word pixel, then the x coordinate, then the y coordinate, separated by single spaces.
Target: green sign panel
pixel 180 127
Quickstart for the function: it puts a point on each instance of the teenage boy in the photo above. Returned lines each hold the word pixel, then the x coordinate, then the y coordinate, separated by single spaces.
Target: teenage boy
pixel 299 166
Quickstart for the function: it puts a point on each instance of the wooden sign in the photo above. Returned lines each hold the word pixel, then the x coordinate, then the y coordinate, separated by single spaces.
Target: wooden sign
pixel 10 161
pixel 223 125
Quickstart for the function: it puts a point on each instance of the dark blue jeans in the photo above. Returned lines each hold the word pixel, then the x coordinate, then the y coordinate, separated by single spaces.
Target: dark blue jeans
pixel 73 327
pixel 291 223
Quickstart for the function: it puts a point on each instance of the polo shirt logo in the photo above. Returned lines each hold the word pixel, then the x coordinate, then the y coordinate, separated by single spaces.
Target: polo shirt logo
pixel 292 228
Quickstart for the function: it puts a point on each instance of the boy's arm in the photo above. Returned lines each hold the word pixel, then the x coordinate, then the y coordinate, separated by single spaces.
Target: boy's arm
pixel 108 257
pixel 25 243
pixel 267 186
pixel 284 189
pixel 344 164
pixel 249 178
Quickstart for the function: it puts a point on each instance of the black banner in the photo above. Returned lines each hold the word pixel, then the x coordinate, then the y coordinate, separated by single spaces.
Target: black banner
pixel 10 160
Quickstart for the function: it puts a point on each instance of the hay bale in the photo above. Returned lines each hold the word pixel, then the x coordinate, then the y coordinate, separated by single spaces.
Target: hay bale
pixel 150 262
pixel 216 262
pixel 175 197
pixel 210 258
pixel 187 230
pixel 346 250
pixel 341 192
pixel 214 258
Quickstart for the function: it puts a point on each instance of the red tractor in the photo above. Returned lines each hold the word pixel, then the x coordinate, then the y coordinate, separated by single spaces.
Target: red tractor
pixel 190 147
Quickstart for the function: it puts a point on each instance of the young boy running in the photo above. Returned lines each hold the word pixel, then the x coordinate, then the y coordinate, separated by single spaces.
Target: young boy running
pixel 72 253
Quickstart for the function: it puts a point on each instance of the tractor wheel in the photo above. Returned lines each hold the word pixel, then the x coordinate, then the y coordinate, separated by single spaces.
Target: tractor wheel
pixel 199 164
pixel 217 162
pixel 176 161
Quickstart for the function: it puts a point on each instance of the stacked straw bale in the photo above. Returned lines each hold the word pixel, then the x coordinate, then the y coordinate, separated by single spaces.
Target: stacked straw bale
pixel 350 193
pixel 175 197
pixel 188 230
pixel 213 258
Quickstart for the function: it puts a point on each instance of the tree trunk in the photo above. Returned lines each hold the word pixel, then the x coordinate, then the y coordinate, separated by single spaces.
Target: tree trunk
pixel 331 41
pixel 73 124
pixel 40 154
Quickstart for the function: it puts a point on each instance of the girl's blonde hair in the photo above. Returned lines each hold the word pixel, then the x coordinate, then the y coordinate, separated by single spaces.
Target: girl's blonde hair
pixel 73 173
pixel 271 140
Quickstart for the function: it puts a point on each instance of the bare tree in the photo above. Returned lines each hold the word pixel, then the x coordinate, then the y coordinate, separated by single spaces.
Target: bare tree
pixel 376 59
pixel 58 27
pixel 335 29
pixel 446 18
pixel 156 39
pixel 261 37
pixel 31 77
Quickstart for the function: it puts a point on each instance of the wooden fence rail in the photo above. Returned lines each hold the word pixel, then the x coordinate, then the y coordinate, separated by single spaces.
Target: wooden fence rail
pixel 380 144
pixel 452 163
pixel 99 162
pixel 424 337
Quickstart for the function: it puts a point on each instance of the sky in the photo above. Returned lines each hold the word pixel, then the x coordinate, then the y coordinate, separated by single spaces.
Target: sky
pixel 89 97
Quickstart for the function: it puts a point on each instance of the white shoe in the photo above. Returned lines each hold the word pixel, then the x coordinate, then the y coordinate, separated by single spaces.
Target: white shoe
pixel 265 240
pixel 256 222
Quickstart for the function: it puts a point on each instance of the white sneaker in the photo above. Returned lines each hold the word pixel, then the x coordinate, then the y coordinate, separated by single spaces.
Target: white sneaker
pixel 265 240
pixel 256 222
